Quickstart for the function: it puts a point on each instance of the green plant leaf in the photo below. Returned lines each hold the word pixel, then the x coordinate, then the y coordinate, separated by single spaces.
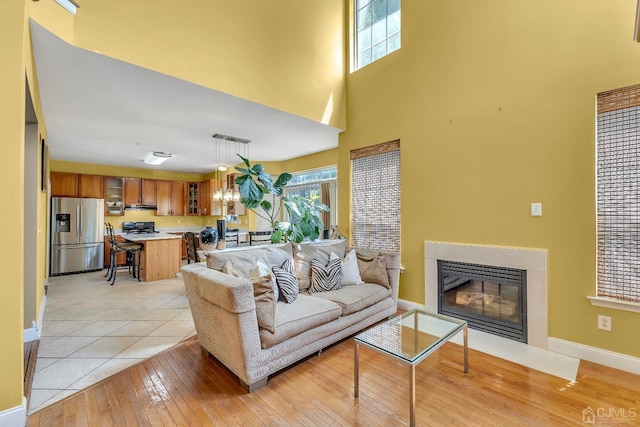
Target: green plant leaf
pixel 246 162
pixel 276 236
pixel 266 205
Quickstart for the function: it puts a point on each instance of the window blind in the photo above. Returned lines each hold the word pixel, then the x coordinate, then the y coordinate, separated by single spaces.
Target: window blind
pixel 375 196
pixel 618 194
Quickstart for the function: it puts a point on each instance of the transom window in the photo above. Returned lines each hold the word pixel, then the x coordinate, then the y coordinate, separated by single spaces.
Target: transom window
pixel 377 30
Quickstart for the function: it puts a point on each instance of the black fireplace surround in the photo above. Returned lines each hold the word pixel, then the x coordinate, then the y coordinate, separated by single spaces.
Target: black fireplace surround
pixel 491 299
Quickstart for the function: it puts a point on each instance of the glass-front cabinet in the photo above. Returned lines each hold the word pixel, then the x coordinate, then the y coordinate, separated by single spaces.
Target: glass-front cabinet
pixel 113 196
pixel 193 196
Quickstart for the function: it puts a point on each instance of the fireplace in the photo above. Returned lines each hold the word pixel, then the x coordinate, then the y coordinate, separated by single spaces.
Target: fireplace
pixel 489 298
pixel 531 260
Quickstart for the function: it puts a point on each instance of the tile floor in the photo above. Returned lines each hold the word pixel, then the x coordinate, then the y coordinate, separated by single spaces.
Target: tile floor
pixel 92 330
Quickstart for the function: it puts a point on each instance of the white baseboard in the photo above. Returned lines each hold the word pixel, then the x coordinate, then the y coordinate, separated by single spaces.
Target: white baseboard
pixel 35 332
pixel 31 334
pixel 14 417
pixel 596 355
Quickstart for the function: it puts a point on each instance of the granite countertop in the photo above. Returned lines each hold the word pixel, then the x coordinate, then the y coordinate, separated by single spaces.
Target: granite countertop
pixel 150 236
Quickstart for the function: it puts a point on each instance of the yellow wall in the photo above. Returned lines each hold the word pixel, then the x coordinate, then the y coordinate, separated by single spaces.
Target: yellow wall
pixel 12 88
pixel 287 54
pixel 493 102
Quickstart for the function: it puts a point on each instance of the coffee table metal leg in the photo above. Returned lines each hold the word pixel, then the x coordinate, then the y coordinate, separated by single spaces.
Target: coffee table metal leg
pixel 466 350
pixel 412 395
pixel 356 371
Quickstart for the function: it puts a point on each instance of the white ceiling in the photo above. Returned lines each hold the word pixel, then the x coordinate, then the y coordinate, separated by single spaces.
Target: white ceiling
pixel 104 111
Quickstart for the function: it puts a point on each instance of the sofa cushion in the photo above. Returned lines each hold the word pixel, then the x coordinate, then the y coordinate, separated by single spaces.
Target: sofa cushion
pixel 349 271
pixel 325 277
pixel 354 298
pixel 373 269
pixel 305 313
pixel 262 269
pixel 265 302
pixel 287 281
pixel 245 259
pixel 303 253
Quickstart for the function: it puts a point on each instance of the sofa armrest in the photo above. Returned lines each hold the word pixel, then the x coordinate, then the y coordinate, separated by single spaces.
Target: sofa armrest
pixel 223 306
pixel 392 260
pixel 231 293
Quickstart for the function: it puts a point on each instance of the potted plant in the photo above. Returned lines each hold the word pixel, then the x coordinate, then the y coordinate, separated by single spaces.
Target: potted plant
pixel 258 193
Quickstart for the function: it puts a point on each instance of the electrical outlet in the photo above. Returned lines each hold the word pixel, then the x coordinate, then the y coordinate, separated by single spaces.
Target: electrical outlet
pixel 604 322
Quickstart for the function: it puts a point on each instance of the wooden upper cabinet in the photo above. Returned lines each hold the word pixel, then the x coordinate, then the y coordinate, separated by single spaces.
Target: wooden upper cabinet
pixel 132 191
pixel 91 186
pixel 64 184
pixel 140 192
pixel 171 197
pixel 148 195
pixel 178 197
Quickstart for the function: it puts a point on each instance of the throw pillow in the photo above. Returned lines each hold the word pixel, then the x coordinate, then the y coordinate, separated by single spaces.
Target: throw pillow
pixel 325 278
pixel 374 270
pixel 262 269
pixel 265 302
pixel 287 281
pixel 349 272
pixel 303 253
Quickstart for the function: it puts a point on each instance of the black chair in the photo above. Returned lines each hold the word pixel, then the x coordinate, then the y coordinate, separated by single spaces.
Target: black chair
pixel 131 249
pixel 232 236
pixel 259 237
pixel 190 244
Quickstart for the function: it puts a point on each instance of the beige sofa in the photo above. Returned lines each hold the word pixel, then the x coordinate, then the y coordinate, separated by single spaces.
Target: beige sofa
pixel 226 322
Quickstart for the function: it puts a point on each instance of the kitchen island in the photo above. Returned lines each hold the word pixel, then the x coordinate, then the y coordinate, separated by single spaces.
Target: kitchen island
pixel 161 255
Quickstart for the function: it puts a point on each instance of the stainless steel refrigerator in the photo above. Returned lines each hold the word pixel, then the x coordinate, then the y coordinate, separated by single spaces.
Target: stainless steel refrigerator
pixel 77 235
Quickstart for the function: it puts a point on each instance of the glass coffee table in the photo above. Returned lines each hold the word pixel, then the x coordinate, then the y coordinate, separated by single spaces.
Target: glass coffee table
pixel 410 338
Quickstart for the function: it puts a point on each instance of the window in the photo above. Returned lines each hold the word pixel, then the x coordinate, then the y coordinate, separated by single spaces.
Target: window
pixel 618 194
pixel 375 196
pixel 377 30
pixel 321 183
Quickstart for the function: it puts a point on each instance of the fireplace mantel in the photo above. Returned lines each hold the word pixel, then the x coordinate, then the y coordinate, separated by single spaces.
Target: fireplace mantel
pixel 534 261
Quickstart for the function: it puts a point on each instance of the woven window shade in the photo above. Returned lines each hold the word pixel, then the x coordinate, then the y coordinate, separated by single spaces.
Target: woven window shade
pixel 375 196
pixel 618 194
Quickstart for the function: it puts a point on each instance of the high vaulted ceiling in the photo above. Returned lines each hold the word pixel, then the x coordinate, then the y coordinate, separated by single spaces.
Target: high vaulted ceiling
pixel 104 111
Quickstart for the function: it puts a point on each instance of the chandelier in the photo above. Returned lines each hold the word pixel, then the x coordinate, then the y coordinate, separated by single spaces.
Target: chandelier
pixel 226 149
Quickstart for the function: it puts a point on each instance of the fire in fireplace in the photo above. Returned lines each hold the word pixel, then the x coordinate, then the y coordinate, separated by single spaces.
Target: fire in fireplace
pixel 489 298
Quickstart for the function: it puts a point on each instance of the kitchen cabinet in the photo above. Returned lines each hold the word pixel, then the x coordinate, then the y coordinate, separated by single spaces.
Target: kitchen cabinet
pixel 171 198
pixel 208 206
pixel 114 196
pixel 64 184
pixel 140 192
pixel 91 186
pixel 193 198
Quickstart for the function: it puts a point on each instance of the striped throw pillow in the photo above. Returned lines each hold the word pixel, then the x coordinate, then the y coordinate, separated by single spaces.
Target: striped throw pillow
pixel 325 278
pixel 287 281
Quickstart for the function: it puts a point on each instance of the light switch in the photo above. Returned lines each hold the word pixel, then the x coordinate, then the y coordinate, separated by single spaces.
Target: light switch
pixel 536 209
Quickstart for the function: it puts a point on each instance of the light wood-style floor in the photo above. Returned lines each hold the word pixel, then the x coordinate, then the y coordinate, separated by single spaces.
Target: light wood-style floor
pixel 182 386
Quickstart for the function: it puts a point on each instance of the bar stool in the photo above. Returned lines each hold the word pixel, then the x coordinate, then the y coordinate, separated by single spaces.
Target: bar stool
pixel 190 246
pixel 130 249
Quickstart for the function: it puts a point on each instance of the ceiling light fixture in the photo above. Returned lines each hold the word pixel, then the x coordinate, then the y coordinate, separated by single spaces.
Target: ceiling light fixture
pixel 157 158
pixel 70 5
pixel 227 148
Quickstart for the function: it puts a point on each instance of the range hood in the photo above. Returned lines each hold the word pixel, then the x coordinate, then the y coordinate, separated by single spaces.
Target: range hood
pixel 139 208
